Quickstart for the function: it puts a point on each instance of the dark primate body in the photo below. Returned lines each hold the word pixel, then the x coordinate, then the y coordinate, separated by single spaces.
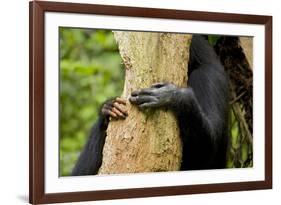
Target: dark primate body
pixel 201 110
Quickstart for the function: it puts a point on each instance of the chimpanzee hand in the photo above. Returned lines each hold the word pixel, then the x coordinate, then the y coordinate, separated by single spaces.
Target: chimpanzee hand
pixel 158 95
pixel 115 108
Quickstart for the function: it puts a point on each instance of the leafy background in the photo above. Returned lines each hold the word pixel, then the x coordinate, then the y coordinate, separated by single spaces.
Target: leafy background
pixel 91 71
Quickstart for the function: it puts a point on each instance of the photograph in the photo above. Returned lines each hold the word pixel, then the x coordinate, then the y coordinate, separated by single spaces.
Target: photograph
pixel 133 102
pixel 130 102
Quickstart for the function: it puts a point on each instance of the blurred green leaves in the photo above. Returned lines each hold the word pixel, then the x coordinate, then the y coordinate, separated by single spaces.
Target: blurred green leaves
pixel 240 150
pixel 91 71
pixel 213 39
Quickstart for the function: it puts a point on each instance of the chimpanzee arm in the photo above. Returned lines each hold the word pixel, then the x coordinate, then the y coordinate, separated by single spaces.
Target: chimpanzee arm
pixel 201 110
pixel 206 135
pixel 90 158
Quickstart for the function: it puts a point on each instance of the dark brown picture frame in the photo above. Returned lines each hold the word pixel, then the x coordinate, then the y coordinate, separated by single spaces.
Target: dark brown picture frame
pixel 37 10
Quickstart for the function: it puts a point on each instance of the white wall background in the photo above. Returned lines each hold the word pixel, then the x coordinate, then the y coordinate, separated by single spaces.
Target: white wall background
pixel 14 100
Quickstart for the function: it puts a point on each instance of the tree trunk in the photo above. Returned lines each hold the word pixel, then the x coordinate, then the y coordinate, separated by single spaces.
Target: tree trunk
pixel 147 141
pixel 247 46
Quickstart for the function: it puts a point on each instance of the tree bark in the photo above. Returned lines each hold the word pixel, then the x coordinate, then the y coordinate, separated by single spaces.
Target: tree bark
pixel 247 46
pixel 147 141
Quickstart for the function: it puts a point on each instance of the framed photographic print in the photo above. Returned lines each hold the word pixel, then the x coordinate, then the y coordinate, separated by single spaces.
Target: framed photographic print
pixel 139 102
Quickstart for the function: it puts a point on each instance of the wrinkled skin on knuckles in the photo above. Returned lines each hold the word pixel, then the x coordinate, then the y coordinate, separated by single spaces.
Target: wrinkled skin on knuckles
pixel 158 95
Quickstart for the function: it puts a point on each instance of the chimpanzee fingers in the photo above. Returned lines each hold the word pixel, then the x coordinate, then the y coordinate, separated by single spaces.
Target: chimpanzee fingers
pixel 119 114
pixel 120 108
pixel 113 108
pixel 114 113
pixel 145 91
pixel 135 99
pixel 108 112
pixel 158 85
pixel 142 99
pixel 105 109
pixel 148 105
pixel 121 101
pixel 135 93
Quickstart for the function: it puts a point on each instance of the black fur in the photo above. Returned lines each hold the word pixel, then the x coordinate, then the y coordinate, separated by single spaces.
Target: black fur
pixel 90 158
pixel 201 110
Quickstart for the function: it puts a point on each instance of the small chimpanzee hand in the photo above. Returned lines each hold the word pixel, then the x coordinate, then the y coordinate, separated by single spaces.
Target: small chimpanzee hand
pixel 115 108
pixel 158 95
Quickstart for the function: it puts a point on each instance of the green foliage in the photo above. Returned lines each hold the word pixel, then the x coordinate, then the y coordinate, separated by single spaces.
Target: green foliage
pixel 91 71
pixel 213 39
pixel 240 152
